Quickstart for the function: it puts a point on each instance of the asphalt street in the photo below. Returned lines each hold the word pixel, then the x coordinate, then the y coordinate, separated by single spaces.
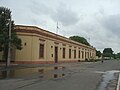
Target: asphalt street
pixel 65 76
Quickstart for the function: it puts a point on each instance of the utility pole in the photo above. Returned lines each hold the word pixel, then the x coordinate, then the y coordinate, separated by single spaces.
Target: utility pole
pixel 9 43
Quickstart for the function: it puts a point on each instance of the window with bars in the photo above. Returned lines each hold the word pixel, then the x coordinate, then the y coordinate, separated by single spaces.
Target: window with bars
pixel 63 52
pixel 41 51
pixel 69 53
pixel 82 54
pixel 79 54
pixel 74 53
pixel 85 54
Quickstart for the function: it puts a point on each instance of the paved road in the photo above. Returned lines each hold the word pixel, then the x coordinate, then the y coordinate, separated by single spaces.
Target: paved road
pixel 67 76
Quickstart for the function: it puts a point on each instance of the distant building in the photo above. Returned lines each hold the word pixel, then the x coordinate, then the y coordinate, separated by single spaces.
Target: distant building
pixel 42 46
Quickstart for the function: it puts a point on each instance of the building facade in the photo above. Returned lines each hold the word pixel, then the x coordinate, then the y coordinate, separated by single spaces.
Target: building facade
pixel 42 46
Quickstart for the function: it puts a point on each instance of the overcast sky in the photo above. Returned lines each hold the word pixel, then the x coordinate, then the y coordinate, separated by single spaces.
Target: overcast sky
pixel 96 20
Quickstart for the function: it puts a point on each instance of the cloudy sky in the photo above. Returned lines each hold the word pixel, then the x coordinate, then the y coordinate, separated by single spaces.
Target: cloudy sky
pixel 96 20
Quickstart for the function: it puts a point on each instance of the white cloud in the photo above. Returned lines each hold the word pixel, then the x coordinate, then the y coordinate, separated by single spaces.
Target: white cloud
pixel 65 15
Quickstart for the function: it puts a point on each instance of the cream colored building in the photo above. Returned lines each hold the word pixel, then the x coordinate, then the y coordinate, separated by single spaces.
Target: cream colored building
pixel 42 46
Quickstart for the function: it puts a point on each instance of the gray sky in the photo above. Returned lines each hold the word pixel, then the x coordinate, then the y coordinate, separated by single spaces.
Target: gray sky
pixel 96 20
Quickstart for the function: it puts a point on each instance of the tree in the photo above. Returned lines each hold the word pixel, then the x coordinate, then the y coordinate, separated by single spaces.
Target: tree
pixel 115 56
pixel 118 55
pixel 79 39
pixel 5 21
pixel 98 53
pixel 108 52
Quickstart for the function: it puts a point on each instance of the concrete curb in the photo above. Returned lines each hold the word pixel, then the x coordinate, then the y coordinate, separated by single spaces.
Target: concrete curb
pixel 118 84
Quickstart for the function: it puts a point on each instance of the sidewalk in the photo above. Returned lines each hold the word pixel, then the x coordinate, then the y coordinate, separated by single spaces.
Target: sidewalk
pixel 16 66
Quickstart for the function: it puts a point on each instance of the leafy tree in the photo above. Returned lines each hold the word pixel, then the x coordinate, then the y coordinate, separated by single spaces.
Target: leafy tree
pixel 115 56
pixel 118 55
pixel 5 15
pixel 98 53
pixel 108 52
pixel 79 39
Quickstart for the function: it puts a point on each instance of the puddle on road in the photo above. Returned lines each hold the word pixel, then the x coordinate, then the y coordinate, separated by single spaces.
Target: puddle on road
pixel 100 72
pixel 42 71
pixel 107 77
pixel 52 76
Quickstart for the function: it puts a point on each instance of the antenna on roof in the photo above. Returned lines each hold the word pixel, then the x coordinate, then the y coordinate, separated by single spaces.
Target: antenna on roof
pixel 57 28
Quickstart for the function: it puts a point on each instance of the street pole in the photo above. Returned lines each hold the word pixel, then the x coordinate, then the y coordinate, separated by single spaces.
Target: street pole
pixel 9 43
